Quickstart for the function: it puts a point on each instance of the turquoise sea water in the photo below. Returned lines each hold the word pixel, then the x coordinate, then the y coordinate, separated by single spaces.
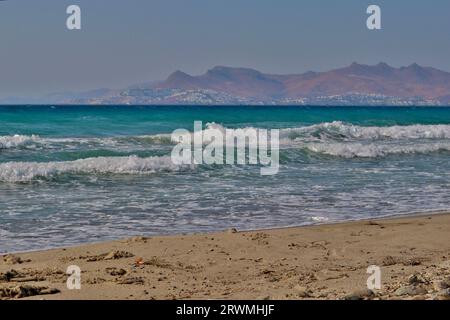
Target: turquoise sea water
pixel 78 174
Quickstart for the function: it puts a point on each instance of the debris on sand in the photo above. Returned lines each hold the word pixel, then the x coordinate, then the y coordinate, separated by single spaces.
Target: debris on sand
pixel 158 262
pixel 12 259
pixel 131 280
pixel 18 292
pixel 116 272
pixel 9 275
pixel 113 255
pixel 360 295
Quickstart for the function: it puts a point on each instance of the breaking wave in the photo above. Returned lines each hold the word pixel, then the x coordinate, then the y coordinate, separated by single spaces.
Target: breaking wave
pixel 35 141
pixel 351 141
pixel 338 130
pixel 373 150
pixel 331 138
pixel 29 171
pixel 16 141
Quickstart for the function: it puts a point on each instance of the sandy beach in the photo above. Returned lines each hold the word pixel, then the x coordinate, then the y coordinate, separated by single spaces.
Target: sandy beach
pixel 315 262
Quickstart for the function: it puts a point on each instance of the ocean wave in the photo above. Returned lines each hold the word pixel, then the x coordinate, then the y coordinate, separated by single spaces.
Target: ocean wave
pixel 16 141
pixel 344 140
pixel 331 138
pixel 374 150
pixel 35 141
pixel 108 142
pixel 29 171
pixel 338 130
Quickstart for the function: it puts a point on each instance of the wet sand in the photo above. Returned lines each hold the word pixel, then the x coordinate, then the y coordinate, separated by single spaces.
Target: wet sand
pixel 316 262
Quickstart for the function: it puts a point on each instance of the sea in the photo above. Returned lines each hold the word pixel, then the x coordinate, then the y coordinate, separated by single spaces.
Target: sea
pixel 79 174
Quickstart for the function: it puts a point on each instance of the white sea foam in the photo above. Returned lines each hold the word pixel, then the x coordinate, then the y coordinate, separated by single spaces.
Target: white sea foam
pixel 350 141
pixel 68 143
pixel 28 171
pixel 324 131
pixel 338 130
pixel 108 142
pixel 15 141
pixel 333 138
pixel 209 135
pixel 374 150
pixel 341 131
pixel 319 219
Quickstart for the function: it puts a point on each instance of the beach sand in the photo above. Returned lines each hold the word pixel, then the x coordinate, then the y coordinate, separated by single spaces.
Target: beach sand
pixel 315 262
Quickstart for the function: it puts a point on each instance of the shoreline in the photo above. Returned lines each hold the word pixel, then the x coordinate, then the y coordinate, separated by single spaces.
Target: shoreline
pixel 320 261
pixel 331 223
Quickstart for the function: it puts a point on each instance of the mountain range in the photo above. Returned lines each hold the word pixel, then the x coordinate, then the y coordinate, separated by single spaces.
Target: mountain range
pixel 356 84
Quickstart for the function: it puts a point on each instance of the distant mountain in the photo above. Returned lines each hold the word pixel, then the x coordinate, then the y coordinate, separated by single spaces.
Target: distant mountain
pixel 246 83
pixel 413 81
pixel 356 84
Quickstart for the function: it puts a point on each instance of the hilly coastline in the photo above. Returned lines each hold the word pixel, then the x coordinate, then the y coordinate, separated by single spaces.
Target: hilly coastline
pixel 356 84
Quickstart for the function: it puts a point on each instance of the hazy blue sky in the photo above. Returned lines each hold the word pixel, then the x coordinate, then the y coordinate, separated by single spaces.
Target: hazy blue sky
pixel 124 42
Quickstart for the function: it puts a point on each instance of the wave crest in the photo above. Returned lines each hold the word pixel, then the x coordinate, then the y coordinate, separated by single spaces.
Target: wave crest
pixel 338 130
pixel 28 171
pixel 16 141
pixel 333 138
pixel 372 150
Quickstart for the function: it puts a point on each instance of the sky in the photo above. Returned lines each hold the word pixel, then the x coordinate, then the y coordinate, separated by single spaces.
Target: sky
pixel 126 42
